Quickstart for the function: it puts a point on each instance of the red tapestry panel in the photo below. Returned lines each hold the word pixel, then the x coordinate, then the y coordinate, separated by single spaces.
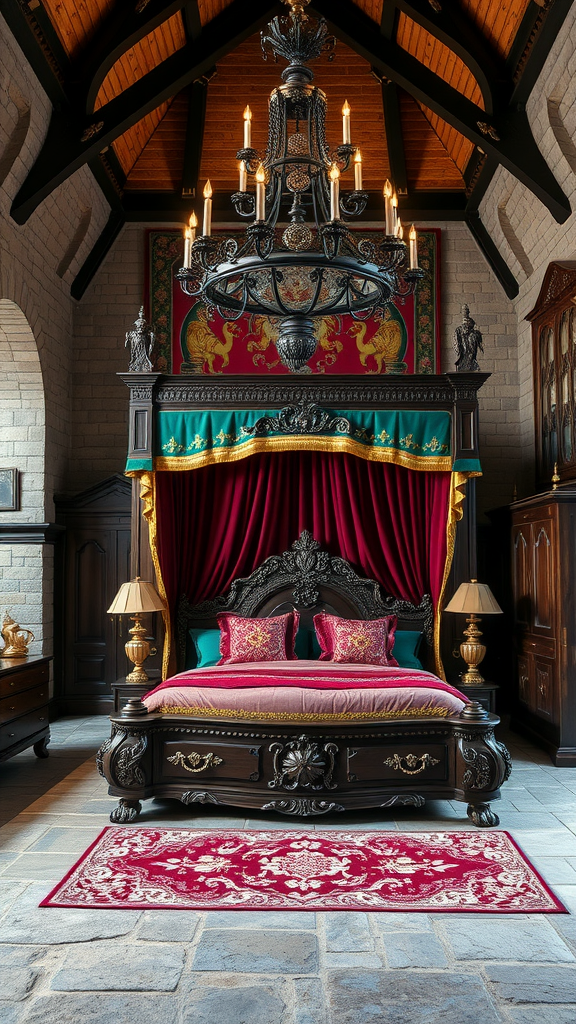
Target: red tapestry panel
pixel 404 339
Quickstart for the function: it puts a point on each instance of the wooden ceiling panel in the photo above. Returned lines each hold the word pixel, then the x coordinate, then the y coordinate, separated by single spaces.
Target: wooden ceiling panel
pixel 428 165
pixel 498 22
pixel 438 58
pixel 141 58
pixel 130 145
pixel 373 8
pixel 75 21
pixel 458 146
pixel 210 8
pixel 235 85
pixel 159 167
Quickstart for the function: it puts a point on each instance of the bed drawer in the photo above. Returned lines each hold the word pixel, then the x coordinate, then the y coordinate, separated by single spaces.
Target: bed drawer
pixel 401 764
pixel 20 728
pixel 23 679
pixel 194 759
pixel 19 703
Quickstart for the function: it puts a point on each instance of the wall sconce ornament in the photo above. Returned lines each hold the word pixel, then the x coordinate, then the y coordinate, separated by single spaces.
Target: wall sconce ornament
pixel 16 639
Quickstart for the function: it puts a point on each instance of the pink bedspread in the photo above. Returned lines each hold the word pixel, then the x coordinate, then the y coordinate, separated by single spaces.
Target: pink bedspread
pixel 306 691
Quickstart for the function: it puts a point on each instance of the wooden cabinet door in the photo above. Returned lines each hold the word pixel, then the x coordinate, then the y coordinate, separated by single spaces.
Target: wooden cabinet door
pixel 544 687
pixel 544 580
pixel 525 695
pixel 521 576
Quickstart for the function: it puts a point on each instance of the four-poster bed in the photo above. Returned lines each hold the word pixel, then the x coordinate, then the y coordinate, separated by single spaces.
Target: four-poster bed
pixel 369 477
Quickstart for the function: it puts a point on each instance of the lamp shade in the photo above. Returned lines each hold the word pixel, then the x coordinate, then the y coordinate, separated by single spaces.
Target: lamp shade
pixel 474 599
pixel 136 596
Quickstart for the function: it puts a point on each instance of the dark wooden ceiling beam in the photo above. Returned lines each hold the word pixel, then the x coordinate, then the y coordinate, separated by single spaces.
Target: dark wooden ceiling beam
pixel 197 97
pixel 99 250
pixel 71 141
pixel 508 136
pixel 394 134
pixel 492 255
pixel 552 17
pixel 192 22
pixel 125 25
pixel 28 34
pixel 450 24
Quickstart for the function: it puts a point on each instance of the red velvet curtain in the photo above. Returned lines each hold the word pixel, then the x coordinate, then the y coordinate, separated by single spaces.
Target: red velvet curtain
pixel 222 521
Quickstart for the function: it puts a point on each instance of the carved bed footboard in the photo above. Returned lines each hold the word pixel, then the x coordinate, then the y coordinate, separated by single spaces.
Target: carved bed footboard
pixel 307 771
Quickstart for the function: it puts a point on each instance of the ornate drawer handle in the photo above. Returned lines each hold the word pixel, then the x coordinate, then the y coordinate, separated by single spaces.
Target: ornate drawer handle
pixel 197 762
pixel 426 761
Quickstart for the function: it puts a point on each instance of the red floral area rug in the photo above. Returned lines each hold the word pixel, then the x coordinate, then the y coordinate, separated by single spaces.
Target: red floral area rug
pixel 193 869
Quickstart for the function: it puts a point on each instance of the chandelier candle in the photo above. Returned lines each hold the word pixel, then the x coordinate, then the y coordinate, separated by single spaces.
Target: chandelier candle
pixel 358 171
pixel 346 124
pixel 247 130
pixel 243 176
pixel 298 260
pixel 413 249
pixel 334 191
pixel 389 210
pixel 395 217
pixel 207 225
pixel 261 194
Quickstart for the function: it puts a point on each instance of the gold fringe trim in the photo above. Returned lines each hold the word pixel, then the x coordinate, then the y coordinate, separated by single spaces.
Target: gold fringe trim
pixel 148 498
pixel 299 442
pixel 428 711
pixel 455 513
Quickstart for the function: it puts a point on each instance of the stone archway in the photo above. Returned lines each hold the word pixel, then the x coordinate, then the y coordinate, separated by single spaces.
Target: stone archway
pixel 26 569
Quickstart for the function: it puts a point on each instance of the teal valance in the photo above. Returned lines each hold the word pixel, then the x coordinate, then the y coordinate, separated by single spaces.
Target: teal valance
pixel 191 438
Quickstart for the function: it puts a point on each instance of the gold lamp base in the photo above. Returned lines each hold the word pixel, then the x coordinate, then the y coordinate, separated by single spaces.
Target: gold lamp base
pixel 137 650
pixel 472 653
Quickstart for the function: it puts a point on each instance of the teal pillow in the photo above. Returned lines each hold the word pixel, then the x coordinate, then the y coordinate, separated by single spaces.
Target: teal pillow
pixel 207 646
pixel 302 644
pixel 405 650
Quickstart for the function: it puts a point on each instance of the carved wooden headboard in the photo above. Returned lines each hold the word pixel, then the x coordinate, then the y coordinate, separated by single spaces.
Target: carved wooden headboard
pixel 309 580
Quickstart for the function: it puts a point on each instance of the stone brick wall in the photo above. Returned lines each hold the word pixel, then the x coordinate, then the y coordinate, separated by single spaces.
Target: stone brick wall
pixel 552 114
pixel 36 337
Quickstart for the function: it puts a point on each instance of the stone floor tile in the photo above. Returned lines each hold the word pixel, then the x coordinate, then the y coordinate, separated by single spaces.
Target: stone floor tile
pixel 21 832
pixel 543 1014
pixel 20 956
pixel 556 870
pixel 398 922
pixel 523 984
pixel 413 949
pixel 27 923
pixel 348 933
pixel 556 842
pixel 168 925
pixel 38 866
pixel 342 961
pixel 83 1008
pixel 246 1004
pixel 64 839
pixel 294 920
pixel 10 890
pixel 309 1001
pixel 400 997
pixel 257 952
pixel 533 941
pixel 114 967
pixel 16 983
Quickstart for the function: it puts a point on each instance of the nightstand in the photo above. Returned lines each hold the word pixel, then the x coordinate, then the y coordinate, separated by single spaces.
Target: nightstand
pixel 123 690
pixel 484 694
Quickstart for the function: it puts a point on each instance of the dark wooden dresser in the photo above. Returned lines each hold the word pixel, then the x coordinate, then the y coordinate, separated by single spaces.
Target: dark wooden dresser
pixel 24 696
pixel 544 601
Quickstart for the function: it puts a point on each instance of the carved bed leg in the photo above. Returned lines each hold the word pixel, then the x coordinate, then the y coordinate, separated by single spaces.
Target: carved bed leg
pixel 482 815
pixel 125 812
pixel 40 748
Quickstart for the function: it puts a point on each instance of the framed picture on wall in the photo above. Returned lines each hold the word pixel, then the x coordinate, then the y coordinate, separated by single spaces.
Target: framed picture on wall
pixel 9 490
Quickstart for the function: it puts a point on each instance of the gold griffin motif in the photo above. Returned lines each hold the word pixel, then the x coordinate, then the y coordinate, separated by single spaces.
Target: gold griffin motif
pixel 197 762
pixel 426 761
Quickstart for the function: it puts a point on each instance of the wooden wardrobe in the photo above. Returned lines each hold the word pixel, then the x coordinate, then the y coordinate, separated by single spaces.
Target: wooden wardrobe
pixel 544 531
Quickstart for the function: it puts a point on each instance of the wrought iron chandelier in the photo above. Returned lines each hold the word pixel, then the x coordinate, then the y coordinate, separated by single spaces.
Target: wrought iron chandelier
pixel 316 266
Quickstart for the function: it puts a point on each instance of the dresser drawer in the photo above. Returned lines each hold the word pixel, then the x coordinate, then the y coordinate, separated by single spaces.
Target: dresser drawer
pixel 20 728
pixel 23 679
pixel 204 759
pixel 18 703
pixel 404 765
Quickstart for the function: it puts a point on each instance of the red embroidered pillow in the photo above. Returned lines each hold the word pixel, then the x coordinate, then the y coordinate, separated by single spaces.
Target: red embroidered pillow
pixel 364 642
pixel 271 639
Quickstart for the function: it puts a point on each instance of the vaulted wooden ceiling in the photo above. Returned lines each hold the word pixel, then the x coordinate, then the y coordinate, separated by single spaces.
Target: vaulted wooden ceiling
pixel 150 94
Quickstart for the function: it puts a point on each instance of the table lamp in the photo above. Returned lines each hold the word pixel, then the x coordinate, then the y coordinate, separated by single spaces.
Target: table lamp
pixel 135 599
pixel 473 599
